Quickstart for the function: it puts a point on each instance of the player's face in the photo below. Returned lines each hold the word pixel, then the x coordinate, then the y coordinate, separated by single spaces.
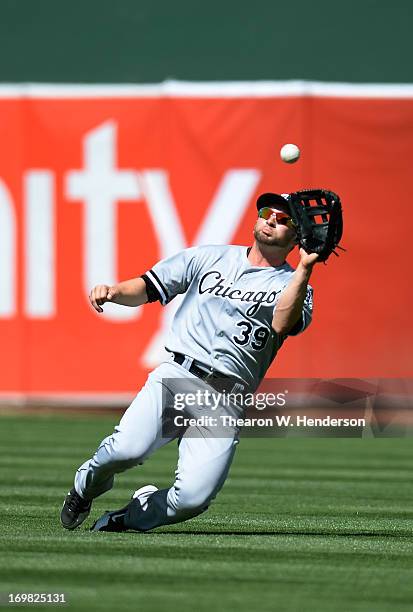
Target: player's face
pixel 274 228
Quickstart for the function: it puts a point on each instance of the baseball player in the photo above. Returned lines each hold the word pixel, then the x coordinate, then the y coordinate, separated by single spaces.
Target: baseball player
pixel 239 306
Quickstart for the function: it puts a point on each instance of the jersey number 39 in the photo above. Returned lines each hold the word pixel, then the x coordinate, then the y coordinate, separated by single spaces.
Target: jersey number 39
pixel 256 337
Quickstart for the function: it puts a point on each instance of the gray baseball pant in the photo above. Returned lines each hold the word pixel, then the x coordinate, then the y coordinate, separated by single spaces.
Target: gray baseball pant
pixel 203 464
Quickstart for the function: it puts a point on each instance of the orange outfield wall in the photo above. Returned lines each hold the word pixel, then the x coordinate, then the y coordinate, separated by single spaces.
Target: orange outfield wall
pixel 98 188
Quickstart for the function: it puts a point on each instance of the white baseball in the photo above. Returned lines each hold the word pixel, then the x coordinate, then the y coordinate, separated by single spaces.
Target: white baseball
pixel 289 153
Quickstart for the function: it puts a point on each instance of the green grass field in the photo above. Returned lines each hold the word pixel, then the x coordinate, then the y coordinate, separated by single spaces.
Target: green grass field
pixel 301 524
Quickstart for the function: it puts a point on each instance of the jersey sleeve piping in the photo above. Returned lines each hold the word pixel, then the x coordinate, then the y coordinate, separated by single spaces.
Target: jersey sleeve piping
pixel 298 327
pixel 154 279
pixel 151 291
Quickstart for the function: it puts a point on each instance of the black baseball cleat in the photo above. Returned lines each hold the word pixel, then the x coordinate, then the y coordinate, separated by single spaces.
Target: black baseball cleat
pixel 110 521
pixel 75 510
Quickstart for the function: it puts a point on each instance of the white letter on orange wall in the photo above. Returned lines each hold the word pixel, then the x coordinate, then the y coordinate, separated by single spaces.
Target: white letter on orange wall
pixel 39 247
pixel 100 186
pixel 8 268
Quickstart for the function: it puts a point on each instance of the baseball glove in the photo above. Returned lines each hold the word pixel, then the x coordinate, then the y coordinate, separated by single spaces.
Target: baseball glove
pixel 318 220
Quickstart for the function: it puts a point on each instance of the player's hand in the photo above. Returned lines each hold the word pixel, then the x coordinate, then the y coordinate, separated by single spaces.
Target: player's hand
pixel 308 259
pixel 101 294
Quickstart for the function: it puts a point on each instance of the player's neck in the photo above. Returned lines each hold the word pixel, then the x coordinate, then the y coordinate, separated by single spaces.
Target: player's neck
pixel 262 256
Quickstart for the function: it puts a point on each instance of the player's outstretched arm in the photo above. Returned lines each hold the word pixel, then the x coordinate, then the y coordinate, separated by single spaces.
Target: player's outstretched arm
pixel 127 293
pixel 290 305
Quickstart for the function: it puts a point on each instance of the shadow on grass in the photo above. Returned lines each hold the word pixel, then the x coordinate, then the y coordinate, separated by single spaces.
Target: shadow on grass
pixel 366 534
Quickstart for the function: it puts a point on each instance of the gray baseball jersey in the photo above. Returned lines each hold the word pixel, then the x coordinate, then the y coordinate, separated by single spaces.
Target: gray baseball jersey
pixel 224 320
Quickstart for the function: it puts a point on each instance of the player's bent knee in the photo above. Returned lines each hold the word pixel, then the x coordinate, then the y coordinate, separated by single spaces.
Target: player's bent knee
pixel 191 499
pixel 127 452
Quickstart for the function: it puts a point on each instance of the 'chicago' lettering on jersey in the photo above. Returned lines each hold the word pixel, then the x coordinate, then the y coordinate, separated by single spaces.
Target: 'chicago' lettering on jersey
pixel 212 282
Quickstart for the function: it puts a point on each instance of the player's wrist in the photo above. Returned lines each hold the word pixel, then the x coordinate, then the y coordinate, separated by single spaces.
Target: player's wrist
pixel 304 270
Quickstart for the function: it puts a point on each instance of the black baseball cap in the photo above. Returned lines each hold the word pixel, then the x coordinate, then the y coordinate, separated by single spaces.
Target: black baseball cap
pixel 272 200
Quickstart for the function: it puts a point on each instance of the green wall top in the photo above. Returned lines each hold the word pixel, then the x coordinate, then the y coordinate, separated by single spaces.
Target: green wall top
pixel 130 41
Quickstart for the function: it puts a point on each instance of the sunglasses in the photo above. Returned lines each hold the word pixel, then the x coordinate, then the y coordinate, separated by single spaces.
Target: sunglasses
pixel 281 217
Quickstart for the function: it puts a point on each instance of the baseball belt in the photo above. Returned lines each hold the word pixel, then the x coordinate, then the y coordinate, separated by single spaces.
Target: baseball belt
pixel 217 380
